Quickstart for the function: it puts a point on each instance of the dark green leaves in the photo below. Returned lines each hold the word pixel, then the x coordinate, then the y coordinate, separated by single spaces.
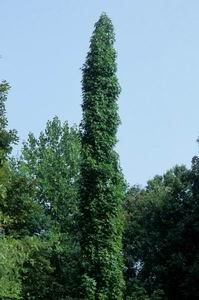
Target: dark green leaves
pixel 102 188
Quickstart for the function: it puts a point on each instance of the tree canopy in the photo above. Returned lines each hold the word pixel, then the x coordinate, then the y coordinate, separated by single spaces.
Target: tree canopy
pixel 69 226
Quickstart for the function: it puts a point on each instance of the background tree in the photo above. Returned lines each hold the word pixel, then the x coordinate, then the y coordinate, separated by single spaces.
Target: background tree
pixel 11 255
pixel 160 241
pixel 102 187
pixel 7 138
pixel 51 162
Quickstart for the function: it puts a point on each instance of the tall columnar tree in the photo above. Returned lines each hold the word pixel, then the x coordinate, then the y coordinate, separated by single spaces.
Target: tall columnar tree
pixel 102 186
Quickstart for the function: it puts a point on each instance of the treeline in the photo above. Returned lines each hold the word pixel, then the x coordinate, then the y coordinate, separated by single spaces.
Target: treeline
pixel 161 239
pixel 64 205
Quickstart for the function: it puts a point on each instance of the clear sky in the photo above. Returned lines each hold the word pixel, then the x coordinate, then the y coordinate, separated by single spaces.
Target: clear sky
pixel 44 44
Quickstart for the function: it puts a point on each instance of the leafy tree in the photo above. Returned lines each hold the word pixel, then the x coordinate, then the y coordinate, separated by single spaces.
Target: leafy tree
pixel 160 242
pixel 37 272
pixel 51 165
pixel 7 138
pixel 189 286
pixel 102 187
pixel 12 257
pixel 52 161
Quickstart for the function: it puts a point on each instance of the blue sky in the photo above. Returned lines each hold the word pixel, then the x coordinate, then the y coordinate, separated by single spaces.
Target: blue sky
pixel 44 44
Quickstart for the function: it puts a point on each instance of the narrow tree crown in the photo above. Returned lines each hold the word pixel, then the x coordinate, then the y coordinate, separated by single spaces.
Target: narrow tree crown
pixel 100 89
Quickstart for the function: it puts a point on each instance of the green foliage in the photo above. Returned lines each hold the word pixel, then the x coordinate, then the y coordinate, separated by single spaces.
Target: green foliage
pixel 38 207
pixel 37 270
pixel 137 292
pixel 88 285
pixel 52 162
pixel 26 215
pixel 51 166
pixel 161 247
pixel 102 187
pixel 158 295
pixel 12 256
pixel 62 209
pixel 7 138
